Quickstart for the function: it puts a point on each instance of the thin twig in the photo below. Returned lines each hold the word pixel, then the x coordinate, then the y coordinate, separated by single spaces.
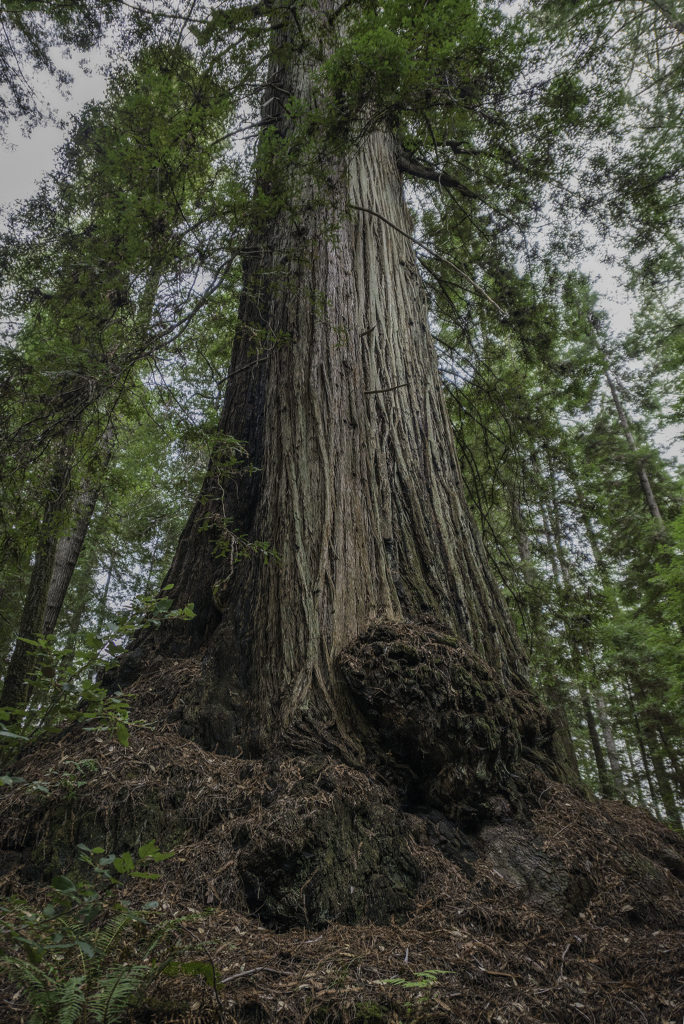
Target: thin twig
pixel 381 391
pixel 243 974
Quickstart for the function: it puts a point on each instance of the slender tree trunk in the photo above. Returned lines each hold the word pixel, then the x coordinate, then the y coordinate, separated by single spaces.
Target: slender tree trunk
pixel 609 741
pixel 601 767
pixel 55 560
pixel 69 545
pixel 663 780
pixel 33 611
pixel 104 597
pixel 642 749
pixel 648 738
pixel 604 716
pixel 645 721
pixel 10 612
pixel 644 479
pixel 555 695
pixel 635 777
pixel 589 530
pixel 674 759
pixel 664 785
pixel 609 769
pixel 561 573
pixel 67 551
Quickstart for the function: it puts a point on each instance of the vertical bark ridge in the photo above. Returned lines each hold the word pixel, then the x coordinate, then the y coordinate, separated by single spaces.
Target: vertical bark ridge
pixel 438 561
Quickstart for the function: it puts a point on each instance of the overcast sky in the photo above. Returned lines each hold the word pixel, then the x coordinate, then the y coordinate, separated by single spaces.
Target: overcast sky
pixel 24 160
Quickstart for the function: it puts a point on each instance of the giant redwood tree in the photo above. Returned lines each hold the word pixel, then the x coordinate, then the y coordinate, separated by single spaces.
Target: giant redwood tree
pixel 344 492
pixel 332 521
pixel 347 717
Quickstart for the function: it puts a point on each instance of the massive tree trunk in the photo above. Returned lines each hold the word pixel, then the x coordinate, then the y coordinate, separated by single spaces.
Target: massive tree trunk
pixel 344 607
pixel 348 508
pixel 342 595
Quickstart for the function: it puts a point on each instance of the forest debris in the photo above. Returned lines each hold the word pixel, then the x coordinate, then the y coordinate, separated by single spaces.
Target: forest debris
pixel 611 950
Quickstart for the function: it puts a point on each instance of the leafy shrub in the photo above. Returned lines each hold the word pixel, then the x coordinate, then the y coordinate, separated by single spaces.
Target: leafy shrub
pixel 65 686
pixel 87 955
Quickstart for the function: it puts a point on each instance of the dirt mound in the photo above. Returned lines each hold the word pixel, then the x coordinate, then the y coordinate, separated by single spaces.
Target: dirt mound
pixel 332 899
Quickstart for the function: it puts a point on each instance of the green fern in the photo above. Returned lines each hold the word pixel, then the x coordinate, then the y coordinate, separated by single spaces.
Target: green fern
pixel 72 958
pixel 71 999
pixel 117 991
pixel 102 994
pixel 36 986
pixel 110 933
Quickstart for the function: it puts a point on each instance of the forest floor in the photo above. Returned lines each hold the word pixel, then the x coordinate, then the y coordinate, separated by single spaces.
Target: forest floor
pixel 572 913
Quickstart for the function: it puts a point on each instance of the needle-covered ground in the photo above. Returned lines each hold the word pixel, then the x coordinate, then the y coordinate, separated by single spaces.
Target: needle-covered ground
pixel 322 892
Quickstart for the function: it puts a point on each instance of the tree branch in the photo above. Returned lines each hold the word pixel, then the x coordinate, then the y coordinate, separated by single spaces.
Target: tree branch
pixel 431 252
pixel 407 165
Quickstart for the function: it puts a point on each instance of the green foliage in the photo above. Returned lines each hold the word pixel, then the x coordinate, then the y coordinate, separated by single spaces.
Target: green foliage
pixel 67 687
pixel 421 980
pixel 110 352
pixel 87 955
pixel 557 484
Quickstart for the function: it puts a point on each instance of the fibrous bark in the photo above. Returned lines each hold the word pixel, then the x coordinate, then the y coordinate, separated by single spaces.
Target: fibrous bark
pixel 342 506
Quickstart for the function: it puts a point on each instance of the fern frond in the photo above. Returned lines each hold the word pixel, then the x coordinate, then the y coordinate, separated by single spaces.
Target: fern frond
pixel 116 992
pixel 71 996
pixel 109 934
pixel 36 985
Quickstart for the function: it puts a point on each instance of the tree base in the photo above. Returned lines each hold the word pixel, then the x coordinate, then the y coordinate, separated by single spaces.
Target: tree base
pixel 329 883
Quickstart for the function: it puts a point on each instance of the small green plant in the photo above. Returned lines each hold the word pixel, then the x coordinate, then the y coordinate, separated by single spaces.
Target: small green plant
pixel 66 686
pixel 370 1013
pixel 87 955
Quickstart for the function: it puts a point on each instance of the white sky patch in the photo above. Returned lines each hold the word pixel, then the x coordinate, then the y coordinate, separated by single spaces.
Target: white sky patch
pixel 25 159
pixel 616 300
